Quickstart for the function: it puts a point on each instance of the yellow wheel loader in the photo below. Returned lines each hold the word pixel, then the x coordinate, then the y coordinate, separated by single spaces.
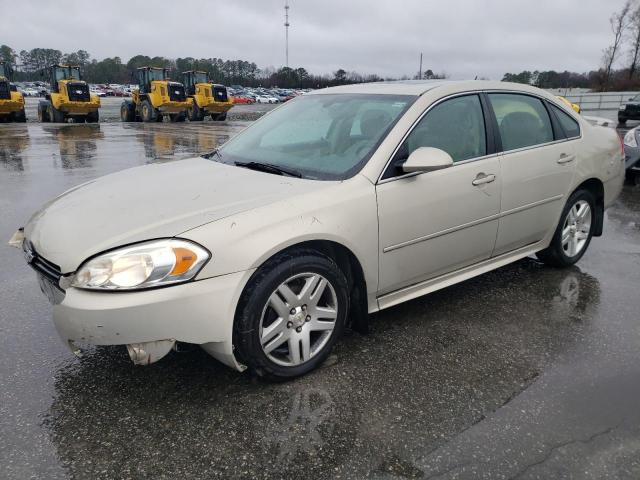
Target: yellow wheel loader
pixel 69 98
pixel 155 97
pixel 206 98
pixel 11 101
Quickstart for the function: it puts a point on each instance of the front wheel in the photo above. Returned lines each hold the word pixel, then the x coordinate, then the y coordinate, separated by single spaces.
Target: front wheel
pixel 574 232
pixel 291 314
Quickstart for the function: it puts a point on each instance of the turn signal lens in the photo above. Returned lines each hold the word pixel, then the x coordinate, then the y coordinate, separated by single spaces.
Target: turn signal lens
pixel 185 258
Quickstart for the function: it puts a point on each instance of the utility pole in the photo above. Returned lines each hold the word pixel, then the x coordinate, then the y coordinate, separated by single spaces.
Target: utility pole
pixel 420 71
pixel 286 30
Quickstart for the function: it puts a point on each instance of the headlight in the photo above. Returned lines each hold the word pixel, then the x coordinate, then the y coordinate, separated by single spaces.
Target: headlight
pixel 144 265
pixel 630 138
pixel 622 107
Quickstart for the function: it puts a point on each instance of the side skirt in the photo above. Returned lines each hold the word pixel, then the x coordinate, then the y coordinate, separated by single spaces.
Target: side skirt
pixel 448 279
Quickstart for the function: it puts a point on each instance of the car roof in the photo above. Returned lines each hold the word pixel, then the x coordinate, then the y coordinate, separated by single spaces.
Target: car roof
pixel 419 87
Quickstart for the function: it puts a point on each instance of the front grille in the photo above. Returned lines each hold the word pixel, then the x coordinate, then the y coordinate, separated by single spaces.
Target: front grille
pixel 220 94
pixel 5 91
pixel 41 264
pixel 177 93
pixel 78 92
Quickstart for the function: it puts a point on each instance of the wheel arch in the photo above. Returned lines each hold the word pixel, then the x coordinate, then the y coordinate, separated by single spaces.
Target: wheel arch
pixel 350 265
pixel 596 187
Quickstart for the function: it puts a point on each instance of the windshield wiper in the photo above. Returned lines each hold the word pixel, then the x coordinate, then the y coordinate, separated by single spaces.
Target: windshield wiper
pixel 269 168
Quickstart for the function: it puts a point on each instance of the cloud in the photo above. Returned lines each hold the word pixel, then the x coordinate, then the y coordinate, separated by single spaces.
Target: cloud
pixel 464 38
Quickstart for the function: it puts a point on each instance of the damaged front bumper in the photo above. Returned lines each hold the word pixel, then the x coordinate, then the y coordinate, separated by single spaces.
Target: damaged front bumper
pixel 149 322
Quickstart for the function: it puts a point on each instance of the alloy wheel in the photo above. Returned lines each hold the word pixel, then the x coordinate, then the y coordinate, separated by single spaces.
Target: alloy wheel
pixel 298 319
pixel 576 228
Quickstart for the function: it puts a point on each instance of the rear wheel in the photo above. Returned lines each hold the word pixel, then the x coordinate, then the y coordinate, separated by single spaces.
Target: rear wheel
pixel 127 111
pixel 92 117
pixel 20 116
pixel 291 314
pixel 219 117
pixel 574 232
pixel 43 112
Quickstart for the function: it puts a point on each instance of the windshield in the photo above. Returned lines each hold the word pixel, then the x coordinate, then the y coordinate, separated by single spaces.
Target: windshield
pixel 324 137
pixel 67 73
pixel 156 74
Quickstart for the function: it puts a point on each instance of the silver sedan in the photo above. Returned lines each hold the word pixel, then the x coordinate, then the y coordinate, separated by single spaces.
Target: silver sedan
pixel 340 203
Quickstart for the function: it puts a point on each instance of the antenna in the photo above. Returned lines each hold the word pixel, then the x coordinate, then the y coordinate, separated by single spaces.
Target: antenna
pixel 286 30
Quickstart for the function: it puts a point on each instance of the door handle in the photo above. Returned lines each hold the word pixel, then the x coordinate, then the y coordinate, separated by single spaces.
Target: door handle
pixel 482 178
pixel 564 158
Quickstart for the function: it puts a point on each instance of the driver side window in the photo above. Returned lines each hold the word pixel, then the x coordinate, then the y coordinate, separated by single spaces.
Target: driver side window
pixel 455 126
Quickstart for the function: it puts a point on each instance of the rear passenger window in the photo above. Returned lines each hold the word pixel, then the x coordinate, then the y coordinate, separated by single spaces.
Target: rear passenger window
pixel 569 125
pixel 523 121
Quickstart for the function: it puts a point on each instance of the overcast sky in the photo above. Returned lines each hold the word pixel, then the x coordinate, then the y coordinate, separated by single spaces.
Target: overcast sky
pixel 463 38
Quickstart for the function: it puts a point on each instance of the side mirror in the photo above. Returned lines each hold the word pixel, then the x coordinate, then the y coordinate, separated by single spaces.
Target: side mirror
pixel 630 99
pixel 427 159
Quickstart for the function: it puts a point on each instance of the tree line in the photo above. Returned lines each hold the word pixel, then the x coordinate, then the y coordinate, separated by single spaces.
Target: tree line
pixel 623 53
pixel 28 65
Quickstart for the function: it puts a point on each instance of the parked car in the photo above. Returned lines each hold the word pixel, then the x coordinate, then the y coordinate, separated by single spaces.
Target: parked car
pixel 266 99
pixel 632 151
pixel 241 99
pixel 629 110
pixel 342 202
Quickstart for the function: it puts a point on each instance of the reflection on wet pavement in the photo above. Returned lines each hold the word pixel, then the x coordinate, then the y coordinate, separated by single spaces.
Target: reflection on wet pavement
pixel 526 372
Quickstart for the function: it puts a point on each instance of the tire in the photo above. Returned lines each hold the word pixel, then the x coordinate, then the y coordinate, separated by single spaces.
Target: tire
pixel 127 111
pixel 195 113
pixel 264 316
pixel 573 233
pixel 43 112
pixel 92 117
pixel 55 115
pixel 177 117
pixel 220 117
pixel 20 116
pixel 147 112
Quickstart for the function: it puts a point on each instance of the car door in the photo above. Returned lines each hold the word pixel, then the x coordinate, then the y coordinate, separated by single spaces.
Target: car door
pixel 537 165
pixel 436 222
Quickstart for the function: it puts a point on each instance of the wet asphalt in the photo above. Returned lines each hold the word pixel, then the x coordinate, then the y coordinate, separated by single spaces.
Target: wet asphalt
pixel 526 372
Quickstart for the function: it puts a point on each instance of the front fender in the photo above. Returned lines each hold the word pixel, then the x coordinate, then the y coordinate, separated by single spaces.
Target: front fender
pixel 344 213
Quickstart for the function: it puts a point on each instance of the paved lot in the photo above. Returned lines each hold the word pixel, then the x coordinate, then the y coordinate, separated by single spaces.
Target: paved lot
pixel 526 372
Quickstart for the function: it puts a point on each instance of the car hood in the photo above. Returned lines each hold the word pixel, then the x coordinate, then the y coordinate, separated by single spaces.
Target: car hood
pixel 148 202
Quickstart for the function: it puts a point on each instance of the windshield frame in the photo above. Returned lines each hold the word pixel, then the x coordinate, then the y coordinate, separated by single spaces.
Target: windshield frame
pixel 219 154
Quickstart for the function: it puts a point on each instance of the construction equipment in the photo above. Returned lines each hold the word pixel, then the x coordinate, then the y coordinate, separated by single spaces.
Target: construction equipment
pixel 69 97
pixel 11 101
pixel 155 97
pixel 206 98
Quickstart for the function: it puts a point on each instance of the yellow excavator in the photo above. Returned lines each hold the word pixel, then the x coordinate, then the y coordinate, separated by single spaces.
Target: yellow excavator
pixel 11 100
pixel 206 98
pixel 155 97
pixel 69 97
